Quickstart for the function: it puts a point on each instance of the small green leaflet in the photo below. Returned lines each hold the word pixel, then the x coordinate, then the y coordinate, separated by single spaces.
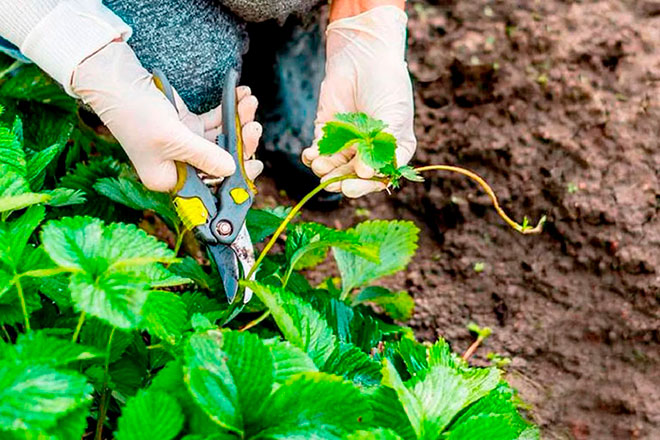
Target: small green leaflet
pixel 150 414
pixel 112 265
pixel 375 147
pixel 398 242
pixel 396 174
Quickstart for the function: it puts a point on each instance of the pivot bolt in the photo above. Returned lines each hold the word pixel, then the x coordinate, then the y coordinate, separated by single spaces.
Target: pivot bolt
pixel 224 228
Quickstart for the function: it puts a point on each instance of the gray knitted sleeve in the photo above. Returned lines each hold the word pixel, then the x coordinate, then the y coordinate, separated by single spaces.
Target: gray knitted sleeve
pixel 194 42
pixel 261 10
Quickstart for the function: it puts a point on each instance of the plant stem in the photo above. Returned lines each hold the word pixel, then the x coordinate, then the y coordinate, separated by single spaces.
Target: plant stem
pixel 21 297
pixel 472 348
pixel 486 187
pixel 155 346
pixel 81 320
pixel 15 65
pixel 179 242
pixel 251 324
pixel 42 273
pixel 4 330
pixel 290 217
pixel 104 394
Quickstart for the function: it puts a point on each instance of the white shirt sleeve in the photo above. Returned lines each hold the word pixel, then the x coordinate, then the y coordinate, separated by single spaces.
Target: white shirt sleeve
pixel 58 35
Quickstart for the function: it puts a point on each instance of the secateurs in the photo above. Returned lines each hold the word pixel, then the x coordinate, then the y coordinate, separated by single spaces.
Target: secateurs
pixel 218 219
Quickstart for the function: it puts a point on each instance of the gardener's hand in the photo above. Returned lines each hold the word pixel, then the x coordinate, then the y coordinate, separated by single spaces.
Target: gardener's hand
pixel 365 72
pixel 123 94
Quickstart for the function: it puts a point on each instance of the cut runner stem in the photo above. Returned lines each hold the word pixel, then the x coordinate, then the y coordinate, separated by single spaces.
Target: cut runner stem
pixel 523 229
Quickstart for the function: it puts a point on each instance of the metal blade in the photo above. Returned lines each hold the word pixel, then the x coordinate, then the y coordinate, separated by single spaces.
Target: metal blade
pixel 244 250
pixel 233 262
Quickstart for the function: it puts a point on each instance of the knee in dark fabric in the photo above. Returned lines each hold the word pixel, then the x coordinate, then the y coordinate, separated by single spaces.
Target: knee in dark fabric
pixel 194 42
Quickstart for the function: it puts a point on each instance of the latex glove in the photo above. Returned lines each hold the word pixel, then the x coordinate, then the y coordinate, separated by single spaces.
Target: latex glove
pixel 153 134
pixel 365 72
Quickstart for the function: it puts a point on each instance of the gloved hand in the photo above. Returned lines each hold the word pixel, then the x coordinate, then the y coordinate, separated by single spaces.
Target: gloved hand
pixel 365 72
pixel 124 96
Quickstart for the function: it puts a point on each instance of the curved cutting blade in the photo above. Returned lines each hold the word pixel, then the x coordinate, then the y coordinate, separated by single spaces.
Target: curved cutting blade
pixel 233 263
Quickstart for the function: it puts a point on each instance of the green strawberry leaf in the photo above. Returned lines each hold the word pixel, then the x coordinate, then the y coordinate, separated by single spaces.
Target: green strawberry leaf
pixel 313 406
pixel 39 348
pixel 34 397
pixel 289 360
pixel 264 222
pixel 338 136
pixel 362 122
pixel 230 375
pixel 112 266
pixel 164 315
pixel 300 324
pixel 378 151
pixel 133 194
pixel 353 364
pixel 307 245
pixel 398 242
pixel 398 305
pixel 150 414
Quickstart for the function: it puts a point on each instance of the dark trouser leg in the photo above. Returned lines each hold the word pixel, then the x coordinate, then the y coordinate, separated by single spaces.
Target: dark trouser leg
pixel 194 42
pixel 284 68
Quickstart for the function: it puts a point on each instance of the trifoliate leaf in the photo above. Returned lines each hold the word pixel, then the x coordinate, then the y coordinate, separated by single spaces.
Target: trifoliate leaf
pixel 38 348
pixel 164 315
pixel 112 265
pixel 289 360
pixel 35 397
pixel 229 375
pixel 135 195
pixel 150 415
pixel 307 245
pixel 313 406
pixel 398 305
pixel 300 324
pixel 264 222
pixel 397 241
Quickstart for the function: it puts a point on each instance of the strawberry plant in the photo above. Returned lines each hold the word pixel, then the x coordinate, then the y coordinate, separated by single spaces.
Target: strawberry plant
pixel 109 331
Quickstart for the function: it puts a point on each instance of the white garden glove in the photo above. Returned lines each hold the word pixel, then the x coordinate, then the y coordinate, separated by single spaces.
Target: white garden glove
pixel 365 72
pixel 124 96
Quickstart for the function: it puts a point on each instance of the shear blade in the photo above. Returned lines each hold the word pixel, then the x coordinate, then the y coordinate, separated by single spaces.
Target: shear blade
pixel 233 262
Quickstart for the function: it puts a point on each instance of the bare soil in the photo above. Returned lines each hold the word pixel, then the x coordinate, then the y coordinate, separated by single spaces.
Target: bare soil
pixel 556 104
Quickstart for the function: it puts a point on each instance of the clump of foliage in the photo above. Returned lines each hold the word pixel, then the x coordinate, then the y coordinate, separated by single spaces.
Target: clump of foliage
pixel 109 332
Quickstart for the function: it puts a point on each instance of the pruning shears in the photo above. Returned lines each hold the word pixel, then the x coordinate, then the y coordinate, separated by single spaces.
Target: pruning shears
pixel 218 219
